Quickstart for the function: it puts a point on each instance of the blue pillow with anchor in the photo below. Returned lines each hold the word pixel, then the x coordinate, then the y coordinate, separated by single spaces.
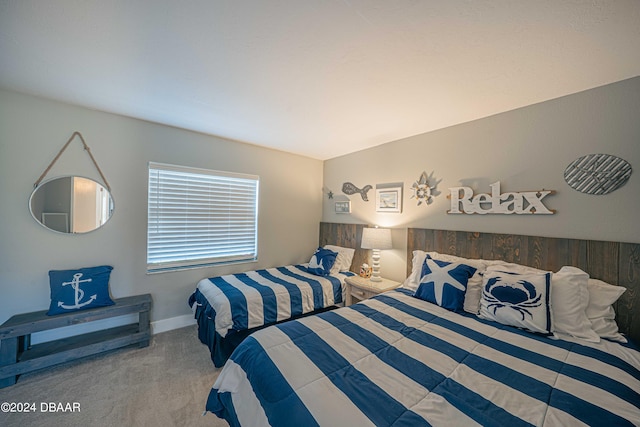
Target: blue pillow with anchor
pixel 79 289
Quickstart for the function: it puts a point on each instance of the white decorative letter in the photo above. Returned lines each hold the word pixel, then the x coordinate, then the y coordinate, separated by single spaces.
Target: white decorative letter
pixel 535 202
pixel 455 199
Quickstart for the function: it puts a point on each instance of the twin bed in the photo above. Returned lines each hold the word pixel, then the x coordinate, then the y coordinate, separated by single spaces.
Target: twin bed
pixel 405 358
pixel 229 308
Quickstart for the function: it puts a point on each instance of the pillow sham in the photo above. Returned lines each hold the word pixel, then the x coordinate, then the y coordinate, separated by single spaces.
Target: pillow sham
pixel 344 259
pixel 520 300
pixel 444 283
pixel 569 302
pixel 79 289
pixel 413 280
pixel 600 311
pixel 322 261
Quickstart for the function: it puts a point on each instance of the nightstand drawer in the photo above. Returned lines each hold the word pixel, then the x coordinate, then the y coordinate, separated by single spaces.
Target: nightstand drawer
pixel 362 294
pixel 360 289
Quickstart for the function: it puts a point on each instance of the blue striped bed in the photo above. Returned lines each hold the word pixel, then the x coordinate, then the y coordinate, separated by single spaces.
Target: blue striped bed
pixel 228 308
pixel 397 360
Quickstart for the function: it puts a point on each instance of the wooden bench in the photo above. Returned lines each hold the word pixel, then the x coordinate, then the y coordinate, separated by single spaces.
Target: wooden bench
pixel 18 356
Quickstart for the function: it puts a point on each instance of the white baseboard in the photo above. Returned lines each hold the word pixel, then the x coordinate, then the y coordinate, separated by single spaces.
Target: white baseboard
pixel 172 323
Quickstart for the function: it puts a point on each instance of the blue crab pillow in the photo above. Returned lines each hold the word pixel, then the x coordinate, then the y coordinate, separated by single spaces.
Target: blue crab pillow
pixel 444 283
pixel 322 261
pixel 520 300
pixel 80 289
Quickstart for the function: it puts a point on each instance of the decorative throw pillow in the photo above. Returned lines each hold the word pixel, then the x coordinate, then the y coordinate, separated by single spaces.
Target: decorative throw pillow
pixel 344 259
pixel 474 285
pixel 79 289
pixel 444 283
pixel 600 310
pixel 322 261
pixel 520 300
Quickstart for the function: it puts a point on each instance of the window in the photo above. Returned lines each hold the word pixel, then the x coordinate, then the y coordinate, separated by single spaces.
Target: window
pixel 199 217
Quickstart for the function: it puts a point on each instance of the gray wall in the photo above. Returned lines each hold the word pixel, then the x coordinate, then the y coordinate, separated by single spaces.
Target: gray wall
pixel 526 149
pixel 33 130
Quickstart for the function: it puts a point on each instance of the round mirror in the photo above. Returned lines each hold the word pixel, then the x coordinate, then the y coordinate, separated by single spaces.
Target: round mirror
pixel 71 204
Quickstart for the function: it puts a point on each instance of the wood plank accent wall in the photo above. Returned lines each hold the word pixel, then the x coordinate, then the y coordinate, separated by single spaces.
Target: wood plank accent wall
pixel 613 262
pixel 348 236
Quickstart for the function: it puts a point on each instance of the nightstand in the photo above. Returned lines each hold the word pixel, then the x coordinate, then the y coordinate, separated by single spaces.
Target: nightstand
pixel 361 288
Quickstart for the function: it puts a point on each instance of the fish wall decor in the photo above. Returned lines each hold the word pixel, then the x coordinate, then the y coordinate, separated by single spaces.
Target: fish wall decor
pixel 349 189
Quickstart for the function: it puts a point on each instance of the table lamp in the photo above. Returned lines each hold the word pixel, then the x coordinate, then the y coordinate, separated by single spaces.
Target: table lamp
pixel 376 239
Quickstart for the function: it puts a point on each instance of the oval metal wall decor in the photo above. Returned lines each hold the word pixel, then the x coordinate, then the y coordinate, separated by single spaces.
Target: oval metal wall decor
pixel 597 173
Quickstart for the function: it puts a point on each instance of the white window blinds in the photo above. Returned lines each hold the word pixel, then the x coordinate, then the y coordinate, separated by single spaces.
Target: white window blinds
pixel 198 217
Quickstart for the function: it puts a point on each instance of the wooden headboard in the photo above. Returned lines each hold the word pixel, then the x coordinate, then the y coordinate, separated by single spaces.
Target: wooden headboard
pixel 347 236
pixel 613 262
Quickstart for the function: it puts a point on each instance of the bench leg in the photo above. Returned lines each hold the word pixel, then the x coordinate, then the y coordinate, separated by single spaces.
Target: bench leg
pixel 144 322
pixel 8 356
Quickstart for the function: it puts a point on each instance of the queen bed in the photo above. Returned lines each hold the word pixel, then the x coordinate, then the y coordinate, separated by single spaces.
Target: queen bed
pixel 513 349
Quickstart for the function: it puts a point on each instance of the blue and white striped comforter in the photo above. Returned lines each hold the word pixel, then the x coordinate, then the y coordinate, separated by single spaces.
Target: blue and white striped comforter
pixel 397 360
pixel 256 298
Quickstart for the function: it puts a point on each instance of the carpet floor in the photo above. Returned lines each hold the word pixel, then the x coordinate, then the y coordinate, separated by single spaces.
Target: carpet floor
pixel 165 384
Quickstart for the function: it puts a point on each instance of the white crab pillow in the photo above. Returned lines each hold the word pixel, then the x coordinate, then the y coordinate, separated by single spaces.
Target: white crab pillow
pixel 520 300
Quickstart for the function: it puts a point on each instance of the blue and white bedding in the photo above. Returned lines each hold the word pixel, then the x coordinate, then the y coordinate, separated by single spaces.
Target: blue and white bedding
pixel 229 308
pixel 256 298
pixel 398 360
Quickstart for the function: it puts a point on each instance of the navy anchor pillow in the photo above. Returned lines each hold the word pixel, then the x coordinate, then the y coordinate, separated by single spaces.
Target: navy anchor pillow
pixel 79 289
pixel 322 261
pixel 444 283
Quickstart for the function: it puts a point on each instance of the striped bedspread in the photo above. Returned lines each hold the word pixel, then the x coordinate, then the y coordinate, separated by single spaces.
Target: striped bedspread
pixel 397 360
pixel 255 298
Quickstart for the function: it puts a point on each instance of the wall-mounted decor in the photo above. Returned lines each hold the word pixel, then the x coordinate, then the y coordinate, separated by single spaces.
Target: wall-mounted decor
pixel 422 190
pixel 527 202
pixel 389 199
pixel 343 207
pixel 330 194
pixel 71 204
pixel 349 189
pixel 597 173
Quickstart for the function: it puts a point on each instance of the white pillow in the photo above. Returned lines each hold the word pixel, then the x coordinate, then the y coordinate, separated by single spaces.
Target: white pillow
pixel 569 302
pixel 600 311
pixel 520 300
pixel 474 285
pixel 344 259
pixel 510 267
pixel 569 299
pixel 413 281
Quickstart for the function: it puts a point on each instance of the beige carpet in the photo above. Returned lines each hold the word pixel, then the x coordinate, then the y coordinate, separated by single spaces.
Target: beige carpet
pixel 165 384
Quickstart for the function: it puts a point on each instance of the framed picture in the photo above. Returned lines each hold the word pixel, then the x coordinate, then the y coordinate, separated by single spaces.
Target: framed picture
pixel 389 199
pixel 343 207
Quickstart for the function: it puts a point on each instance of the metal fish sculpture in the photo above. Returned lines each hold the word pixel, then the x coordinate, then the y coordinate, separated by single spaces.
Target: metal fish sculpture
pixel 349 189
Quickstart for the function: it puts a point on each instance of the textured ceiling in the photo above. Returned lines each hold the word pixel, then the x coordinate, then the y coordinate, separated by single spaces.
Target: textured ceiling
pixel 315 77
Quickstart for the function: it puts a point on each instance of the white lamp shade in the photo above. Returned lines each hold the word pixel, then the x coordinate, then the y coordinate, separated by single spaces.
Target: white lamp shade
pixel 376 238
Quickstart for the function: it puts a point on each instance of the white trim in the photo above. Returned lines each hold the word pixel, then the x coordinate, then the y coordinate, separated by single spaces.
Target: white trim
pixel 172 323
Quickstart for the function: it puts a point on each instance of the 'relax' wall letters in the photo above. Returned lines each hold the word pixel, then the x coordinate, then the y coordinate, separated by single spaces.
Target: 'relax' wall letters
pixel 522 203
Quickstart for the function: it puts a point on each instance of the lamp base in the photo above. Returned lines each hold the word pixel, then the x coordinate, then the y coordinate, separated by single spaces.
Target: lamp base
pixel 375 266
